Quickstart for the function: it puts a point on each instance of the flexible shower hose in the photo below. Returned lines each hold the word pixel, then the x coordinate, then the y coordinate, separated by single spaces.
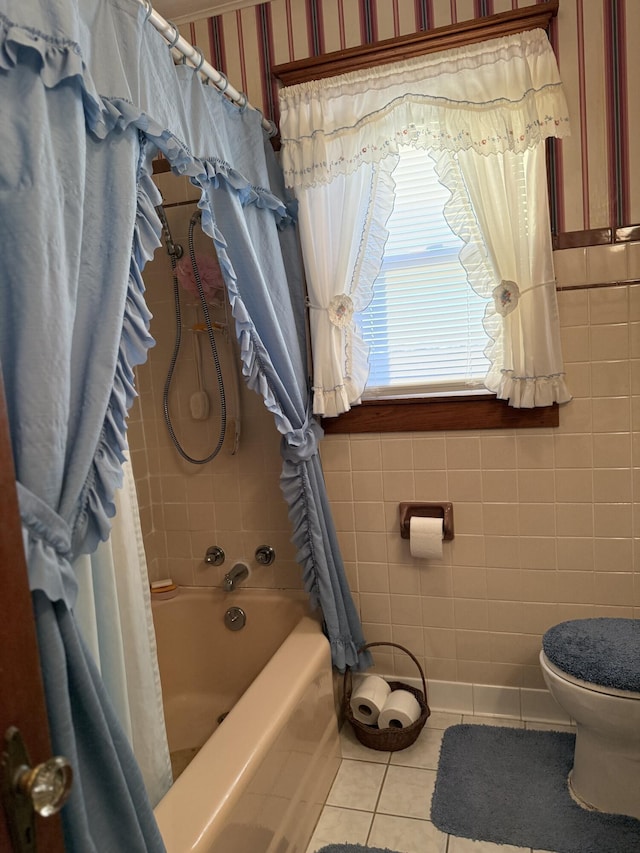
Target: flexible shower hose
pixel 176 352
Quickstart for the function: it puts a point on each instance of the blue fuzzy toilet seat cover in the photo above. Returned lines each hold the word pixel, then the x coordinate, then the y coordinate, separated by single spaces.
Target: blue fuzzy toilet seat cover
pixel 601 651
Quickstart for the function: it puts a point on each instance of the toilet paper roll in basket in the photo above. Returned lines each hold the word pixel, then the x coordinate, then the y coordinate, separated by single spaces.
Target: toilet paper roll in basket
pixel 368 699
pixel 391 739
pixel 400 710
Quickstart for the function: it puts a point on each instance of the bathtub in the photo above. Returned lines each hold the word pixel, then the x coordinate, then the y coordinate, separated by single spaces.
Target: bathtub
pixel 256 781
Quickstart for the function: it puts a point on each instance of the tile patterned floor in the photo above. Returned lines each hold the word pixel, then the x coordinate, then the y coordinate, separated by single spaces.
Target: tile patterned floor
pixel 383 799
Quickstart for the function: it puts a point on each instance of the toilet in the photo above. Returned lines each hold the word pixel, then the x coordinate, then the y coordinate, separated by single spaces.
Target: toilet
pixel 592 669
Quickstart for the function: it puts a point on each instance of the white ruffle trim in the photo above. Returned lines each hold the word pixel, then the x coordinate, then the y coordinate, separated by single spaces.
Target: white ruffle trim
pixel 528 392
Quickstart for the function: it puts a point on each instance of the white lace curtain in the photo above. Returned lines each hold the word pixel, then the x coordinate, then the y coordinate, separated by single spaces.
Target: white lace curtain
pixel 483 113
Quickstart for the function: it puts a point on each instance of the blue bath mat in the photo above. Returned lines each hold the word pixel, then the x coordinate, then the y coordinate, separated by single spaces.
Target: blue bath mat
pixel 509 786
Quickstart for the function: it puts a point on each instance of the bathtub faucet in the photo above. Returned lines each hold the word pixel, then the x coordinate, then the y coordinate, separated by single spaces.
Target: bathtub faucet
pixel 235 576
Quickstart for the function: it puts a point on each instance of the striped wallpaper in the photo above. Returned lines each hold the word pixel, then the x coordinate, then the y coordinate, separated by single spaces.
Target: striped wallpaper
pixel 596 171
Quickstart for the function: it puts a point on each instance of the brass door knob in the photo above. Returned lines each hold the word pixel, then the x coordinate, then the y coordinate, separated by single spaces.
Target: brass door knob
pixel 27 790
pixel 47 785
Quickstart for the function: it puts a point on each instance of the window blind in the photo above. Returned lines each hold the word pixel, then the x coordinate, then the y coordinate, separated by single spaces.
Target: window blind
pixel 424 324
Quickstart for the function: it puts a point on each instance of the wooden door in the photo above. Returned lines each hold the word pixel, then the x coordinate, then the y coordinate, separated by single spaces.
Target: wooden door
pixel 21 691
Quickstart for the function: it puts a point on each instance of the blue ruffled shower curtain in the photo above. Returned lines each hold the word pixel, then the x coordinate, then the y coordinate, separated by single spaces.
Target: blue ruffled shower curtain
pixel 258 253
pixel 90 94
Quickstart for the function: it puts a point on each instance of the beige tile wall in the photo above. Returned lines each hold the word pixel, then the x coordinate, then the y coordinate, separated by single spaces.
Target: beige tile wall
pixel 547 521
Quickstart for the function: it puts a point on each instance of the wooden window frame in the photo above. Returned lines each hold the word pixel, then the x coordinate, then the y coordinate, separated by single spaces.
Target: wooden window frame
pixel 417 44
pixel 417 414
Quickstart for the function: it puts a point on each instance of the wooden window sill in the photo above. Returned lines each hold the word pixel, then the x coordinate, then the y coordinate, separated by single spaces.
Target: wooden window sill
pixel 435 414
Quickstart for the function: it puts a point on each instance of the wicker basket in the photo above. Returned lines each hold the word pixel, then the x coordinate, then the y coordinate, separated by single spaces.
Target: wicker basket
pixel 388 740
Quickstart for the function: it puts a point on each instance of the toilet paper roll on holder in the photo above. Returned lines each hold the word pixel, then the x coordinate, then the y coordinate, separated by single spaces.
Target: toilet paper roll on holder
pixel 422 509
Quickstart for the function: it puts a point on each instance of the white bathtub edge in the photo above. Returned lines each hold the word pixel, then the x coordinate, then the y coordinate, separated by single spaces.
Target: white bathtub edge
pixel 185 816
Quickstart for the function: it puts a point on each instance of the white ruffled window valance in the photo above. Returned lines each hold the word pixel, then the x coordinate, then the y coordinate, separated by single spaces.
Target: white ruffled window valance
pixel 482 112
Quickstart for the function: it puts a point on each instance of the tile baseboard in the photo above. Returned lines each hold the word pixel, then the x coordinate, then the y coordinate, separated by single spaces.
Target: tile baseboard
pixel 490 700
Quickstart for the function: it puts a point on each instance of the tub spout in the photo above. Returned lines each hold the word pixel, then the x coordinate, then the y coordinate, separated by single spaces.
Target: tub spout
pixel 235 576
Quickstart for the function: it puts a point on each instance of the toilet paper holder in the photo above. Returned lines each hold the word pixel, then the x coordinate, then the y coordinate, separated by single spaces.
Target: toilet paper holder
pixel 443 510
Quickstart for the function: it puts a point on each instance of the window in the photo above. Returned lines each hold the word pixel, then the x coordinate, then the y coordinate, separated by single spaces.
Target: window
pixel 334 159
pixel 424 325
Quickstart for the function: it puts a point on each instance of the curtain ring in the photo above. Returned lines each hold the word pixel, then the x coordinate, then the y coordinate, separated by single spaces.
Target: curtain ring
pixel 243 103
pixel 226 82
pixel 272 127
pixel 201 55
pixel 176 36
pixel 148 9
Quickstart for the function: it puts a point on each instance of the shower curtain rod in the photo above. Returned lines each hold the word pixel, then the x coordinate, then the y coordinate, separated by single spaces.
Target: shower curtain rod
pixel 170 32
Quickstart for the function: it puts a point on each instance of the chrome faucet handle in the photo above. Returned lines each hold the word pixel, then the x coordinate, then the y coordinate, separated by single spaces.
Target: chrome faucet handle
pixel 214 556
pixel 265 555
